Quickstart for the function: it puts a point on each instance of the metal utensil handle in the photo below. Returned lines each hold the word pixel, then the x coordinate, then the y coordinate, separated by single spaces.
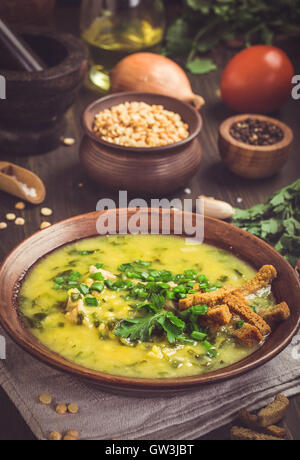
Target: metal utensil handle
pixel 25 57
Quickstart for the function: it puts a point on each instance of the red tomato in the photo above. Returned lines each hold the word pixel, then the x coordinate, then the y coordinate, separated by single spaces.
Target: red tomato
pixel 258 79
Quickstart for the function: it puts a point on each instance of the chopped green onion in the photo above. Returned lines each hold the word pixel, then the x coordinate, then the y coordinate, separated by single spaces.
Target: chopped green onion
pixel 97 276
pixel 91 302
pixel 207 345
pixel 211 351
pixel 201 310
pixel 72 283
pixel 75 296
pixel 59 280
pixel 56 287
pixel 84 289
pixel 186 340
pixel 199 336
pixel 202 279
pixel 240 324
pixel 87 253
pixel 74 276
pixel 109 284
pixel 98 286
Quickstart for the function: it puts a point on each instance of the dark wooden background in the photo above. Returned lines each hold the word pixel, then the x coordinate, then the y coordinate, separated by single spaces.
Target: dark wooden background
pixel 62 173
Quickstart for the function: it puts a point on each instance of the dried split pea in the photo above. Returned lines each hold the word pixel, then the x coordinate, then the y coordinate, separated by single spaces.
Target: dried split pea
pixel 3 225
pixel 10 216
pixel 55 436
pixel 45 399
pixel 45 225
pixel 20 221
pixel 20 205
pixel 61 409
pixel 68 141
pixel 72 433
pixel 73 408
pixel 46 212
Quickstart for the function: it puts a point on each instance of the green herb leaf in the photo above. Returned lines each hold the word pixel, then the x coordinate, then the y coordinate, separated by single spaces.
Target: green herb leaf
pixel 277 221
pixel 142 328
pixel 200 66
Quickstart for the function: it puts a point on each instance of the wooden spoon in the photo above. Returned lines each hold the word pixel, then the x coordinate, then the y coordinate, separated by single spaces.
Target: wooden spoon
pixel 14 179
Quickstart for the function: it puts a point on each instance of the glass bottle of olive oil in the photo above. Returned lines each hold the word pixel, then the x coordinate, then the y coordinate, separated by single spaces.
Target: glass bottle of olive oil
pixel 113 29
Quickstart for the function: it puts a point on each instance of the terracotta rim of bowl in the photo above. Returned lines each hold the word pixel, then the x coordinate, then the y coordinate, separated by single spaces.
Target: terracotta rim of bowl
pixel 143 150
pixel 127 384
pixel 287 140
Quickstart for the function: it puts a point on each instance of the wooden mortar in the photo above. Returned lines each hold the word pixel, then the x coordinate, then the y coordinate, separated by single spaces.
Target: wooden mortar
pixel 32 116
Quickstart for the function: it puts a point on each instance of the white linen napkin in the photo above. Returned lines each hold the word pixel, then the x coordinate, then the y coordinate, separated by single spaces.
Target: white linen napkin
pixel 102 415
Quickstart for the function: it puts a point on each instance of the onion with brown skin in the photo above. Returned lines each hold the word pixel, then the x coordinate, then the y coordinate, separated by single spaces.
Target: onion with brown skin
pixel 152 73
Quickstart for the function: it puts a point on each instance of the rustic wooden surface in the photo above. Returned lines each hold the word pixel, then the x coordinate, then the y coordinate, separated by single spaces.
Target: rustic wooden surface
pixel 62 173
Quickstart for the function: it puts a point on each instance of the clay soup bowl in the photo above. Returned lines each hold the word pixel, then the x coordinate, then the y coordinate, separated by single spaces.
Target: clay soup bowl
pixel 217 233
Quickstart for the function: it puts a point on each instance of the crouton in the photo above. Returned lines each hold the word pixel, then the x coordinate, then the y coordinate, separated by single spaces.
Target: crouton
pixel 239 306
pixel 247 419
pixel 275 314
pixel 218 317
pixel 275 430
pixel 244 434
pixel 264 277
pixel 205 298
pixel 248 335
pixel 274 412
pixel 252 421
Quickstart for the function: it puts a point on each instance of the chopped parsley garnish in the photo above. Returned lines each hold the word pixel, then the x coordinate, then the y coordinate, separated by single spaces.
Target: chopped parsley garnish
pixel 142 328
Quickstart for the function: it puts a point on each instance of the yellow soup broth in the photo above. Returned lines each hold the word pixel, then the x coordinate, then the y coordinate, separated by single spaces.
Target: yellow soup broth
pixel 91 342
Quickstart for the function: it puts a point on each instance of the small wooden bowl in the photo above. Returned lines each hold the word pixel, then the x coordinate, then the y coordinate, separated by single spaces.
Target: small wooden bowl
pixel 141 170
pixel 251 161
pixel 217 233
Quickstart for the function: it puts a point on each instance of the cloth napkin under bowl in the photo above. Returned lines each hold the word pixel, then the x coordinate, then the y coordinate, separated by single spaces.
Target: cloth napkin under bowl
pixel 105 416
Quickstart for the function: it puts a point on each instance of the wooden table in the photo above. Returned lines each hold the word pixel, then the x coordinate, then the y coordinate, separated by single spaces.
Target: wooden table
pixel 62 173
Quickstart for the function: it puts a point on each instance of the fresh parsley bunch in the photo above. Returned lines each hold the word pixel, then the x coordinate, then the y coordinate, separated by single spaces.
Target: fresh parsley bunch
pixel 203 24
pixel 277 221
